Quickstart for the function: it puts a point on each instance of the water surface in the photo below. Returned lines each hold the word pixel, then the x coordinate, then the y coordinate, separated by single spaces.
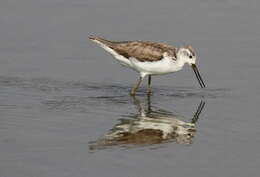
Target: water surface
pixel 61 95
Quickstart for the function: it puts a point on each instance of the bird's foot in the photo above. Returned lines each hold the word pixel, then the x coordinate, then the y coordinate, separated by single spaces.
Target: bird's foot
pixel 149 91
pixel 132 92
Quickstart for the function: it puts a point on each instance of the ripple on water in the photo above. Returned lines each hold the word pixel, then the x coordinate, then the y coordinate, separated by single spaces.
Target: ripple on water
pixel 79 92
pixel 196 93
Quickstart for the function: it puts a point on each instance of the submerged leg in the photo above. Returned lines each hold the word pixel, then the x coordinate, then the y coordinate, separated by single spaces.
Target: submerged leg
pixel 133 90
pixel 149 88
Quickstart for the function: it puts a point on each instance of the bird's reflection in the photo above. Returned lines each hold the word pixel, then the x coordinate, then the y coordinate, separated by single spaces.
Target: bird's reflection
pixel 150 127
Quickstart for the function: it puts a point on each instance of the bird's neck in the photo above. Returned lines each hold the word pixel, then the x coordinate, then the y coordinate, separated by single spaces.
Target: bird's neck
pixel 180 62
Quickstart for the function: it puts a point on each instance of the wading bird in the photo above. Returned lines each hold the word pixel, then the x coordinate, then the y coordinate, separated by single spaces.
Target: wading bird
pixel 150 58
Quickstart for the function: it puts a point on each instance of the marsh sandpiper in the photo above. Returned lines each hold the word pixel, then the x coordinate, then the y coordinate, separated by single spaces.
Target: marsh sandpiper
pixel 150 58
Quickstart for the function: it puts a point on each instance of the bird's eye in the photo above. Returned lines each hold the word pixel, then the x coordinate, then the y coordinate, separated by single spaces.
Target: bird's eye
pixel 190 56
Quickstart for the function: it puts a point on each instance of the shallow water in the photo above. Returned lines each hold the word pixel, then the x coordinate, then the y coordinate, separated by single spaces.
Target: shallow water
pixel 61 96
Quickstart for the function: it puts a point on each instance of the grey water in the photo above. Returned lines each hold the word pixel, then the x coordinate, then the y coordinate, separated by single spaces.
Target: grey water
pixel 60 94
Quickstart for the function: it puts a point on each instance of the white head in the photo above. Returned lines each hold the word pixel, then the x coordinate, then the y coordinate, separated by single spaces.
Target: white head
pixel 187 54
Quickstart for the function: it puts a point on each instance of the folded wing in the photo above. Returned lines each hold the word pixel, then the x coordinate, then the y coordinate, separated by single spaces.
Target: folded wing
pixel 141 50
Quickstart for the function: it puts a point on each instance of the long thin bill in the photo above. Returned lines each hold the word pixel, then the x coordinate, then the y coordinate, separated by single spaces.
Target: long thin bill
pixel 196 71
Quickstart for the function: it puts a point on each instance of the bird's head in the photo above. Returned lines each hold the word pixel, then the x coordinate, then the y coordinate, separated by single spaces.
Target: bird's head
pixel 188 55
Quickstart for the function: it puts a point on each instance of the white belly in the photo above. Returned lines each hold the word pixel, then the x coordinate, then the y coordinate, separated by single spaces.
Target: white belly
pixel 164 66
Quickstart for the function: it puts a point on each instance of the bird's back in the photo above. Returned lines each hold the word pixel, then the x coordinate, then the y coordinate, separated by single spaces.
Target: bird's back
pixel 141 50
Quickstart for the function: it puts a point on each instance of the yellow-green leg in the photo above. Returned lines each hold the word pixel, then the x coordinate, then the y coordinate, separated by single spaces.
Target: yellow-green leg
pixel 133 90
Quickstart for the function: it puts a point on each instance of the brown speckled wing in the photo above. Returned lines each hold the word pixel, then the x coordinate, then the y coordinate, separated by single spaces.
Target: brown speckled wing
pixel 141 50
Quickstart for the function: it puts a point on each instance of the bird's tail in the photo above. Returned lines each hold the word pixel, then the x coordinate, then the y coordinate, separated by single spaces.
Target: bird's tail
pixel 101 40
